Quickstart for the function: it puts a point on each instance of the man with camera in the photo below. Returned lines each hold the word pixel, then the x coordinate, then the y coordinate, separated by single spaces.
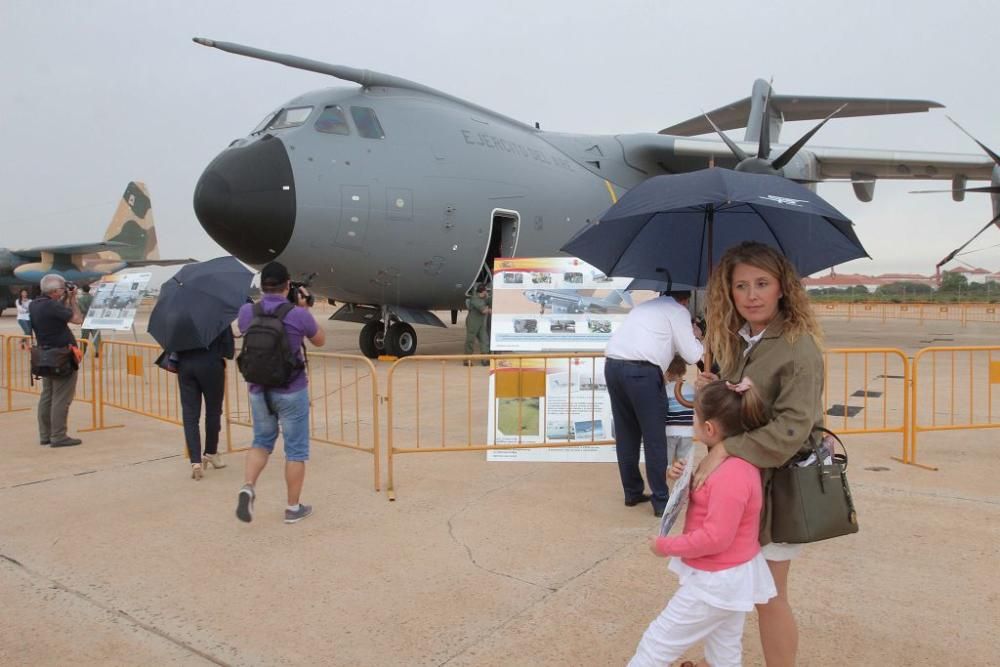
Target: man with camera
pixel 272 360
pixel 51 314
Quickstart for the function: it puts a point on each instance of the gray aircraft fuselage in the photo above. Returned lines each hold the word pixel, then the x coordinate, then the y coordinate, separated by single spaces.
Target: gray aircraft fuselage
pixel 407 219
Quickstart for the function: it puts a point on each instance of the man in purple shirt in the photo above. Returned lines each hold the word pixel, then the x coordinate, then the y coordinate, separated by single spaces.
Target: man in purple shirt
pixel 287 405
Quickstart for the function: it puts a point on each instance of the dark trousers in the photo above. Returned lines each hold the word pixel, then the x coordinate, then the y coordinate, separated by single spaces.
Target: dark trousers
pixel 639 407
pixel 201 375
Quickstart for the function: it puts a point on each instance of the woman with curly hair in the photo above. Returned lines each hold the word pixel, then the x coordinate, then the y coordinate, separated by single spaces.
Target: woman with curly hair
pixel 760 326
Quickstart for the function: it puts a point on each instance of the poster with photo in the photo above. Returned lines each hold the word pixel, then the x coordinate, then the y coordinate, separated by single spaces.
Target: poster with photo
pixel 116 299
pixel 550 400
pixel 555 304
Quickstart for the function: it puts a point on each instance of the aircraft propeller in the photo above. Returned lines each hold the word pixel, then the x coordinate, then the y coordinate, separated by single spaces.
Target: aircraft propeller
pixel 993 188
pixel 760 163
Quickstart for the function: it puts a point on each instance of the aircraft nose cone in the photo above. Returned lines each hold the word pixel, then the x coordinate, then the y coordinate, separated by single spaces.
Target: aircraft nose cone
pixel 245 200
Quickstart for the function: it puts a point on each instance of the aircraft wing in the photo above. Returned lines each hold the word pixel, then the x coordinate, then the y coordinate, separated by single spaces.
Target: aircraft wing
pixel 71 249
pixel 657 154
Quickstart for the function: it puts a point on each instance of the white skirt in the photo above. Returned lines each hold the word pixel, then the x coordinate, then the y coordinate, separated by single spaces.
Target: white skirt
pixel 736 588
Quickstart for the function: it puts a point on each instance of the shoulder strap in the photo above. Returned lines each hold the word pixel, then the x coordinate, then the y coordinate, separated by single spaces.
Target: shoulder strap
pixel 282 311
pixel 258 309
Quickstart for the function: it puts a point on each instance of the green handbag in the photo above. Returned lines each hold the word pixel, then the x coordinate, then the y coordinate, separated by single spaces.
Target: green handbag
pixel 810 498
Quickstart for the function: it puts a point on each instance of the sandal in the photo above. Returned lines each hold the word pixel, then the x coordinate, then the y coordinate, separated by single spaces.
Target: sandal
pixel 215 460
pixel 196 471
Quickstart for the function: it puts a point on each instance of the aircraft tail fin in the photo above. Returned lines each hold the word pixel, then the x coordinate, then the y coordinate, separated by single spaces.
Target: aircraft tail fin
pixel 133 226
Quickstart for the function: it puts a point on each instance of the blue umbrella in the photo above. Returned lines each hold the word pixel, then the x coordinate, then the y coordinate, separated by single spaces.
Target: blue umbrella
pixel 669 228
pixel 198 303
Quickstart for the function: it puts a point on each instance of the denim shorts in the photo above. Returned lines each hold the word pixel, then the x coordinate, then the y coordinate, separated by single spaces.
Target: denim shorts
pixel 291 411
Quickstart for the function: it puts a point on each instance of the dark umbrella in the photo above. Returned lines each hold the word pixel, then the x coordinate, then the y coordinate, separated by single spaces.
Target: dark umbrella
pixel 198 303
pixel 669 228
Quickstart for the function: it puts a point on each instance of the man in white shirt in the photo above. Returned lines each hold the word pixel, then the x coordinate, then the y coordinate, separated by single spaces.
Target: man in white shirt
pixel 637 356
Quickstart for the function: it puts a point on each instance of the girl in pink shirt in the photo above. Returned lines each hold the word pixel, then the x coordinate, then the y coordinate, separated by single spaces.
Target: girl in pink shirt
pixel 717 558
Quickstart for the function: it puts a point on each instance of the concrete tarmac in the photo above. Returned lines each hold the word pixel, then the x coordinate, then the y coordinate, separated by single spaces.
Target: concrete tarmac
pixel 111 555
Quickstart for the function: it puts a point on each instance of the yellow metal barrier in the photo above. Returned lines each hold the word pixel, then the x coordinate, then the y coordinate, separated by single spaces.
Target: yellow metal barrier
pixel 343 404
pixel 439 393
pixel 953 389
pixel 17 361
pixel 867 390
pixel 963 313
pixel 130 381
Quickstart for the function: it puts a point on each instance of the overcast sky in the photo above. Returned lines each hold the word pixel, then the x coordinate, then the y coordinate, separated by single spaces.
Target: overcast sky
pixel 99 93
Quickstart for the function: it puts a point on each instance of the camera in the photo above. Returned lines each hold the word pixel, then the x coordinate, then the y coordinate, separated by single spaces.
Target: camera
pixel 293 293
pixel 70 286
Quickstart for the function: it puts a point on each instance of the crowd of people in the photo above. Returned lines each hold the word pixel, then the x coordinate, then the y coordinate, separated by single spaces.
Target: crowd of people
pixel 754 409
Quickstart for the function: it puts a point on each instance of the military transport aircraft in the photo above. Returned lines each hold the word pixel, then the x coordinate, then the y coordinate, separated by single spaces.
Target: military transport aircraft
pixel 568 301
pixel 130 241
pixel 399 196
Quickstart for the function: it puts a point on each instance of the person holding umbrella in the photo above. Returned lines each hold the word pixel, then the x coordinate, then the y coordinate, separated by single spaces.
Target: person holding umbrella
pixel 192 322
pixel 201 375
pixel 761 327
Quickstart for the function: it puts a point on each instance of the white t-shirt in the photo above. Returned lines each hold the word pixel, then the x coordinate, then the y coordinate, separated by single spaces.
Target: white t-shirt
pixel 22 310
pixel 655 331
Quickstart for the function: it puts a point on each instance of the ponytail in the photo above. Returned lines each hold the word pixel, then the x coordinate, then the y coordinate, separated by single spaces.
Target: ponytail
pixel 734 408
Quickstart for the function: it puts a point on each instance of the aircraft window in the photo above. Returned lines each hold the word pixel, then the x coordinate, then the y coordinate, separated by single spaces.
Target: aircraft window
pixel 290 118
pixel 367 122
pixel 262 125
pixel 332 121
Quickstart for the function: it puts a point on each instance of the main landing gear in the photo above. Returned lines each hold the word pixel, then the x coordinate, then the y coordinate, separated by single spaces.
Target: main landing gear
pixel 398 339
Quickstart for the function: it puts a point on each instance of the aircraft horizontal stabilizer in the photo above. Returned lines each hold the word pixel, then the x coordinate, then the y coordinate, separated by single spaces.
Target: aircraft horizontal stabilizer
pixel 71 249
pixel 794 107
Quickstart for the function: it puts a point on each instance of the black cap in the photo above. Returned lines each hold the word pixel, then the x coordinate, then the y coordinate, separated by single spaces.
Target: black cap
pixel 274 274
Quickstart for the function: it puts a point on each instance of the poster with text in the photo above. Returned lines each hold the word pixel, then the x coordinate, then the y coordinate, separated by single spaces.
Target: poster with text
pixel 116 298
pixel 554 304
pixel 550 400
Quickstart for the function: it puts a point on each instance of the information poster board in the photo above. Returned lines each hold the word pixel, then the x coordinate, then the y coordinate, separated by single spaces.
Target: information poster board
pixel 116 298
pixel 550 400
pixel 553 304
pixel 550 304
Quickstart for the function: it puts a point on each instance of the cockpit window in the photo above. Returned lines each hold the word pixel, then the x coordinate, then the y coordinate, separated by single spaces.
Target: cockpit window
pixel 332 121
pixel 367 123
pixel 262 125
pixel 289 117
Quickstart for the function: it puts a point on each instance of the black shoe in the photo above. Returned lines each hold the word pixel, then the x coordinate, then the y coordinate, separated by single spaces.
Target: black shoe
pixel 44 442
pixel 66 442
pixel 644 498
pixel 658 511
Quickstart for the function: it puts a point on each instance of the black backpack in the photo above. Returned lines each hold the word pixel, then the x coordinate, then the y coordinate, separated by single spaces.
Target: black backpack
pixel 266 358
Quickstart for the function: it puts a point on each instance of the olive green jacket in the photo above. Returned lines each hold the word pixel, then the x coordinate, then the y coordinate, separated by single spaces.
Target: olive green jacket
pixel 476 317
pixel 789 378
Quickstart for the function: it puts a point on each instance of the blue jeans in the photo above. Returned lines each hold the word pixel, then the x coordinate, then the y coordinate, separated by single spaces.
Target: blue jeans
pixel 25 326
pixel 291 411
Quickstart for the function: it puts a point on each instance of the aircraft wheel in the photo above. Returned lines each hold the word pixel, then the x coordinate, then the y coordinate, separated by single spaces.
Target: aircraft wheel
pixel 372 339
pixel 402 340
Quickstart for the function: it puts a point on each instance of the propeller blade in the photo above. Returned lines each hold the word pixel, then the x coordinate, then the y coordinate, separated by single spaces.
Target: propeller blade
pixel 995 189
pixel 737 151
pixel 764 141
pixel 790 152
pixel 996 158
pixel 959 249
